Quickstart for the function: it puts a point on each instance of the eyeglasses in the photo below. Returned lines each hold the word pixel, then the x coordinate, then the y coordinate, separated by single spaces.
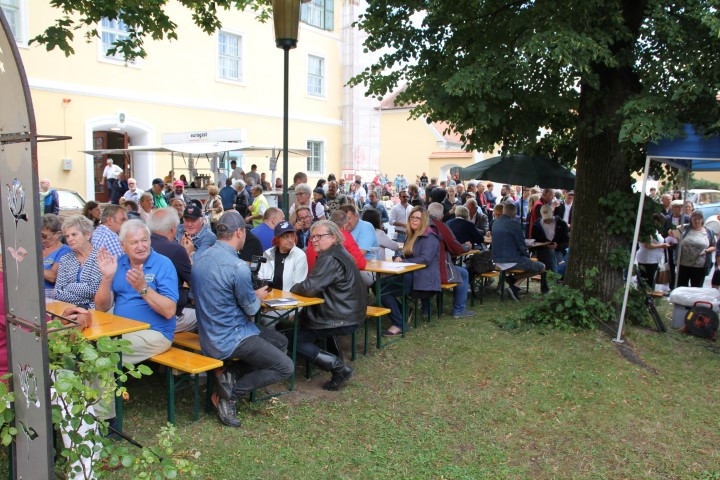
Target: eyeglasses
pixel 302 219
pixel 415 218
pixel 318 236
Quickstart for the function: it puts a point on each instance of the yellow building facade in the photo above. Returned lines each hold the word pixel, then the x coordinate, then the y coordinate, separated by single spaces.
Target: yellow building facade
pixel 413 146
pixel 230 80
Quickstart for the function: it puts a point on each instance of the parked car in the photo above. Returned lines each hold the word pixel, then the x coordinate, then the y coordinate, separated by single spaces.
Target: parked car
pixel 706 201
pixel 71 203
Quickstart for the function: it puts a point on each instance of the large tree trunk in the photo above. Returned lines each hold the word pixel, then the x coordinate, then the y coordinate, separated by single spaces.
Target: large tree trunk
pixel 601 166
pixel 600 170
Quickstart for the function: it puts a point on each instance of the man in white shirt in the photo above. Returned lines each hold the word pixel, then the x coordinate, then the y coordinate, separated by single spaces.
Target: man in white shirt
pixel 564 210
pixel 236 173
pixel 110 174
pixel 133 192
pixel 399 215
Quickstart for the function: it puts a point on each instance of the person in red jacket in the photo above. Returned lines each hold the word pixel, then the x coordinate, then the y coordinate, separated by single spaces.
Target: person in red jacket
pixel 449 244
pixel 339 218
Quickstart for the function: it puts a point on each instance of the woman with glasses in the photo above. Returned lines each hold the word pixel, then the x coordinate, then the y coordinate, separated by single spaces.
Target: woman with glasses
pixel 304 198
pixel 53 248
pixel 696 251
pixel 78 276
pixel 422 246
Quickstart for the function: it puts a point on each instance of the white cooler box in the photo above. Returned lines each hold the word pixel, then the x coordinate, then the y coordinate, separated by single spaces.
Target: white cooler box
pixel 683 298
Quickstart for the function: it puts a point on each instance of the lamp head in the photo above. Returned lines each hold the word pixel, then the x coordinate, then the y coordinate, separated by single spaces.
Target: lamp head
pixel 286 17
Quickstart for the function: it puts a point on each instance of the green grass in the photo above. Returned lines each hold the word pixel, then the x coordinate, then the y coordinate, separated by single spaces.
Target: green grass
pixel 465 400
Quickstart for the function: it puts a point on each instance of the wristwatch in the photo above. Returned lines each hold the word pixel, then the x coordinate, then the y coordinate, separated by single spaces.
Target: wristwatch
pixel 143 292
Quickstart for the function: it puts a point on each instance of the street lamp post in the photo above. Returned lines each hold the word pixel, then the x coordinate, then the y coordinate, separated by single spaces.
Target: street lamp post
pixel 286 17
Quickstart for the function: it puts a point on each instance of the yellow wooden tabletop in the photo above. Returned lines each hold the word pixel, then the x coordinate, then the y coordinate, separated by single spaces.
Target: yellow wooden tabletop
pixel 395 268
pixel 301 301
pixel 103 324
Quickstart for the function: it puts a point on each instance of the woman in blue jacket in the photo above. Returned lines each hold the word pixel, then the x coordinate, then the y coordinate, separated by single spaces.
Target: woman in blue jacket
pixel 421 246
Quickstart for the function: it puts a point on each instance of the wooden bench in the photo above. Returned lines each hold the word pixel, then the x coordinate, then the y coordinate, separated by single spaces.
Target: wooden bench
pixel 503 277
pixel 438 300
pixel 484 279
pixel 188 340
pixel 377 313
pixel 191 341
pixel 191 364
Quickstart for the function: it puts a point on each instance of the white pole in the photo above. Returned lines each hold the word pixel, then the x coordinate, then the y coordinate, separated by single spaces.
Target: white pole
pixel 633 249
pixel 680 241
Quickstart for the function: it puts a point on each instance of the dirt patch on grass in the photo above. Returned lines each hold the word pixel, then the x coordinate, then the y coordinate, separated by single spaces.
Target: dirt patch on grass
pixel 629 354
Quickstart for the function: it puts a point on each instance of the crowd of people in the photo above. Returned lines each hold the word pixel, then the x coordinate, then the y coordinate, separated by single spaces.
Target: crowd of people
pixel 181 265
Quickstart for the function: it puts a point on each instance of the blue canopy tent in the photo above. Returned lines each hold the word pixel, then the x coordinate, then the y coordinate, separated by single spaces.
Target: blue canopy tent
pixel 693 153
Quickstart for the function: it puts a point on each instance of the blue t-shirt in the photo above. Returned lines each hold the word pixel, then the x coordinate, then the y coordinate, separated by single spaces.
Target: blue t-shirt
pixel 54 258
pixel 265 234
pixel 364 236
pixel 161 276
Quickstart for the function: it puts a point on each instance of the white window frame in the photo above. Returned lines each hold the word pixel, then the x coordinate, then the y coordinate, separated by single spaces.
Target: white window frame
pixel 241 57
pixel 312 9
pixel 323 77
pixel 118 59
pixel 323 150
pixel 21 36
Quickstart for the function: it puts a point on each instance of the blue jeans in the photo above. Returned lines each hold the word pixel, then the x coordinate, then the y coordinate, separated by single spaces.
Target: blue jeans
pixel 550 258
pixel 264 359
pixel 389 300
pixel 460 292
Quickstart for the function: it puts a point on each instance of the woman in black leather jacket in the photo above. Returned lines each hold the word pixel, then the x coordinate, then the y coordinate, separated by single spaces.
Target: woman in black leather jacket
pixel 337 280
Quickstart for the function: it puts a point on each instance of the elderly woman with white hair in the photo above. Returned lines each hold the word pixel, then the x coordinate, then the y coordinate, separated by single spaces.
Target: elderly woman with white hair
pixel 304 198
pixel 78 277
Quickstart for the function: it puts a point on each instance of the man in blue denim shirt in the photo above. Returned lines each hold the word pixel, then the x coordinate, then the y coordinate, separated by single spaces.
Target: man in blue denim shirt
pixel 509 250
pixel 225 303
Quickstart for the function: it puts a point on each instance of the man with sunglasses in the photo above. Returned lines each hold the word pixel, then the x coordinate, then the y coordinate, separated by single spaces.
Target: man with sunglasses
pixel 303 222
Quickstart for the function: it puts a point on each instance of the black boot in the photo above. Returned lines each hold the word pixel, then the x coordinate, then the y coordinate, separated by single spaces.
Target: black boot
pixel 333 346
pixel 341 372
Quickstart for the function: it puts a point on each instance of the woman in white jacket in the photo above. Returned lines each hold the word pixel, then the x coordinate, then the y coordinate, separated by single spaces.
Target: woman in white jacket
pixel 286 264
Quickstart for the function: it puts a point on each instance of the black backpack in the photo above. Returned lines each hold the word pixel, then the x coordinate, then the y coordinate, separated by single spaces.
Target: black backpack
pixel 481 262
pixel 702 321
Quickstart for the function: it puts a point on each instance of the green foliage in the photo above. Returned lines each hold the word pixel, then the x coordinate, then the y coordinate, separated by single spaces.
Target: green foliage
pixel 522 72
pixel 564 308
pixel 636 312
pixel 143 19
pixel 7 414
pixel 84 376
pixel 621 208
pixel 701 183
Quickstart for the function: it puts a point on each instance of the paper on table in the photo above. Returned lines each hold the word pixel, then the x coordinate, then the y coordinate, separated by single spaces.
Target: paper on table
pixel 397 265
pixel 281 302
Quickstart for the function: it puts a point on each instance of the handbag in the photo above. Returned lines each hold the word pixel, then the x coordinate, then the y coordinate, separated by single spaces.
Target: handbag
pixel 214 214
pixel 453 274
pixel 663 274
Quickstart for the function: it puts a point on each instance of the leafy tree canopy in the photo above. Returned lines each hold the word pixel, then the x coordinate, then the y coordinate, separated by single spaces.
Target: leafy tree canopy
pixel 144 19
pixel 505 72
pixel 596 79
